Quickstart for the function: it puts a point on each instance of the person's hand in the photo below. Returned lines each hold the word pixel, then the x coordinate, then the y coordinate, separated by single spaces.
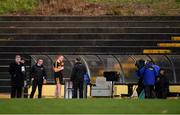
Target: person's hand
pixel 45 81
pixel 57 69
pixel 32 79
pixel 25 83
pixel 62 68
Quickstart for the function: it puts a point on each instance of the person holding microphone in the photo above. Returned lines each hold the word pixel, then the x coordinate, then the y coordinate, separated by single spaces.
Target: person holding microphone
pixel 17 72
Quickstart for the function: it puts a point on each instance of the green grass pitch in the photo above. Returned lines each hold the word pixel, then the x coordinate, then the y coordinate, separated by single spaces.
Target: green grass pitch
pixel 89 106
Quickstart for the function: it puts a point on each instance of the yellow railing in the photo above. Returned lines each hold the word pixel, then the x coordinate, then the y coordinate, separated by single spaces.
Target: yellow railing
pixel 169 44
pixel 156 51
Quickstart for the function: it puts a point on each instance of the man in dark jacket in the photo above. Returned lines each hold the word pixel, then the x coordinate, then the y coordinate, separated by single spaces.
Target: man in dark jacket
pixel 162 85
pixel 77 77
pixel 38 75
pixel 140 64
pixel 17 71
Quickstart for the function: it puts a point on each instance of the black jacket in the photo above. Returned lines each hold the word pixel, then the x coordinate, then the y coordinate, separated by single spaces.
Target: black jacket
pixel 38 73
pixel 162 83
pixel 17 75
pixel 162 86
pixel 78 72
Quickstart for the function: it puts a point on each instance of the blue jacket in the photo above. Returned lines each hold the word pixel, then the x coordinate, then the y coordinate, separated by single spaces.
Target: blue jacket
pixel 86 78
pixel 149 75
pixel 157 68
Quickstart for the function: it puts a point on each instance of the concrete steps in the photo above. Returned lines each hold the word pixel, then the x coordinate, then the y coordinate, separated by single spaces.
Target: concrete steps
pixel 89 24
pixel 53 43
pixel 87 36
pixel 89 18
pixel 54 30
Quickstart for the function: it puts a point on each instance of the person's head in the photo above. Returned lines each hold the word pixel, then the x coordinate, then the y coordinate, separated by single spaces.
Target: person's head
pixel 60 58
pixel 18 58
pixel 140 63
pixel 22 60
pixel 162 72
pixel 78 59
pixel 40 62
pixel 149 63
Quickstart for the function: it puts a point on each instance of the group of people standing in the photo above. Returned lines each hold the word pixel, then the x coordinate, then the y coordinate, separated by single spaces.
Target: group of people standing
pixel 38 77
pixel 153 80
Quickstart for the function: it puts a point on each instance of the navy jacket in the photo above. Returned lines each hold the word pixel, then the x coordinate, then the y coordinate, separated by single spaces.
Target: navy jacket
pixel 17 76
pixel 78 72
pixel 38 73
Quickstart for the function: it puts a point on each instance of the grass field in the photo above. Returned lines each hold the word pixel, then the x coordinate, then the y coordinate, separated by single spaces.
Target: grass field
pixel 89 106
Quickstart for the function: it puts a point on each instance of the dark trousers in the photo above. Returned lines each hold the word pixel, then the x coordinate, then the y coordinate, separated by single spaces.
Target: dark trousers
pixel 162 93
pixel 78 86
pixel 140 87
pixel 16 91
pixel 149 91
pixel 36 84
